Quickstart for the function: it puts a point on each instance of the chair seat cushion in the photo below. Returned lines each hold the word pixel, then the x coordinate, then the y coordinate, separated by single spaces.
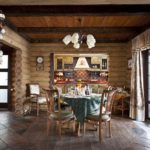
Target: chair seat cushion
pixel 95 117
pixel 41 100
pixel 63 103
pixel 108 113
pixel 61 115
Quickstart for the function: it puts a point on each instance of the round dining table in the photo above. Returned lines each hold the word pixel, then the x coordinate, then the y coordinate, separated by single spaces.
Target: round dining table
pixel 82 105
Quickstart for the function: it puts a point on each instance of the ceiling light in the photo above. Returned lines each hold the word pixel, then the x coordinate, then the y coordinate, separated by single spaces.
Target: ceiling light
pixel 77 39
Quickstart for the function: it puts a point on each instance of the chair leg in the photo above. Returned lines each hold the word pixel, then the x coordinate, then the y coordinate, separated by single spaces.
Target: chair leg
pixel 74 125
pixel 109 126
pixel 30 107
pixel 48 127
pixel 48 108
pixel 68 124
pixel 38 107
pixel 84 128
pixel 122 113
pixel 78 129
pixel 100 132
pixel 59 128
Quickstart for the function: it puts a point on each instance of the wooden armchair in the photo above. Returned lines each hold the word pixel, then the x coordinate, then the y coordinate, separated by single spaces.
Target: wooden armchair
pixel 121 102
pixel 104 115
pixel 36 97
pixel 59 116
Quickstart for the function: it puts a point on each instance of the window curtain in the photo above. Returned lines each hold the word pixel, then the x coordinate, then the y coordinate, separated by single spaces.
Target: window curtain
pixel 137 103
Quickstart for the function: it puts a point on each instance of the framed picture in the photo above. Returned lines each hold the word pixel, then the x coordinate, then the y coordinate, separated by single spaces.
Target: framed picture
pixel 129 63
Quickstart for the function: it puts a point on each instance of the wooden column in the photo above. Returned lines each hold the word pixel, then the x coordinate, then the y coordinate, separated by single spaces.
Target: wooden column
pixel 51 70
pixel 17 82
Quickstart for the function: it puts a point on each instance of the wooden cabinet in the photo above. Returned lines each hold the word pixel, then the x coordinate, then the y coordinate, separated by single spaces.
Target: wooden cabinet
pixel 94 75
pixel 59 64
pixel 95 60
pixel 97 73
pixel 68 60
pixel 104 64
pixel 99 63
pixel 68 63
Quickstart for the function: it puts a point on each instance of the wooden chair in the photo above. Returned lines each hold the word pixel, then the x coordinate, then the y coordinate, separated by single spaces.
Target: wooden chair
pixel 36 97
pixel 121 102
pixel 104 115
pixel 63 104
pixel 59 116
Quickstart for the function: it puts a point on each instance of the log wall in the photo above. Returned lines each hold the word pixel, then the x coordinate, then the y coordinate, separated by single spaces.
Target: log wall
pixel 118 60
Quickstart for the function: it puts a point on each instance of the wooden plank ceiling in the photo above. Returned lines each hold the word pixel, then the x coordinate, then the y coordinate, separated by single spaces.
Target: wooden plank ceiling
pixel 108 23
pixel 72 2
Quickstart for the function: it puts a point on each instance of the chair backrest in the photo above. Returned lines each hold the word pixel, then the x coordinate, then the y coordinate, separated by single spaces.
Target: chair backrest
pixel 51 95
pixel 33 89
pixel 59 90
pixel 109 96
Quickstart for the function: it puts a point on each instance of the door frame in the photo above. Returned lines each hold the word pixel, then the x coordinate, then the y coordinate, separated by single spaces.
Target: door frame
pixel 145 71
pixel 7 51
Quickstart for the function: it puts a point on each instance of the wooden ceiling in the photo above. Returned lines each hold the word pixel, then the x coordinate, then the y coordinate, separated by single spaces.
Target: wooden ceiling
pixel 72 2
pixel 47 23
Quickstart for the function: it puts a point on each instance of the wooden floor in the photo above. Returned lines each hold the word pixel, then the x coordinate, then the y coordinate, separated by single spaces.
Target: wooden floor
pixel 30 133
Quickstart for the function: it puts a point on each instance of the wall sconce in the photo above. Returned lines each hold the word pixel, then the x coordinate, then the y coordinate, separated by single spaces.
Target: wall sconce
pixel 2 30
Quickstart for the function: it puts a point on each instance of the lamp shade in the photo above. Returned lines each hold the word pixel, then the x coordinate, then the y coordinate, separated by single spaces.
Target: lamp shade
pixel 1 56
pixel 90 45
pixel 67 39
pixel 75 38
pixel 90 41
pixel 1 36
pixel 2 16
pixel 76 45
pixel 1 59
pixel 3 31
pixel 90 38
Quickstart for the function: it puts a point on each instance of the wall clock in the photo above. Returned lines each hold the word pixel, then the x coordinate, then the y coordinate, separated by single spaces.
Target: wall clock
pixel 39 59
pixel 39 63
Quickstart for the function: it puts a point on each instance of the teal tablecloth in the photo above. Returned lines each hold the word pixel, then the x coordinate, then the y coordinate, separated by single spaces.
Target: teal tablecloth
pixel 83 105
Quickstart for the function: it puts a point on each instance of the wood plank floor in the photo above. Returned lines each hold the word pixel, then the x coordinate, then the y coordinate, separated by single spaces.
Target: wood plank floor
pixel 31 133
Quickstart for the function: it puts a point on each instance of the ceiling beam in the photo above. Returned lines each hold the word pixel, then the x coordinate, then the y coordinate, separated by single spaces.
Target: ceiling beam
pixel 79 29
pixel 76 10
pixel 11 26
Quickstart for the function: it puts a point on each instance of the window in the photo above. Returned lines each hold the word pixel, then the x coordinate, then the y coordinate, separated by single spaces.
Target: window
pixel 4 76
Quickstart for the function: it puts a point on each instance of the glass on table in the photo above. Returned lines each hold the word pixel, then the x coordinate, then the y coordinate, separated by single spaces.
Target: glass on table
pixel 71 91
pixel 90 91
